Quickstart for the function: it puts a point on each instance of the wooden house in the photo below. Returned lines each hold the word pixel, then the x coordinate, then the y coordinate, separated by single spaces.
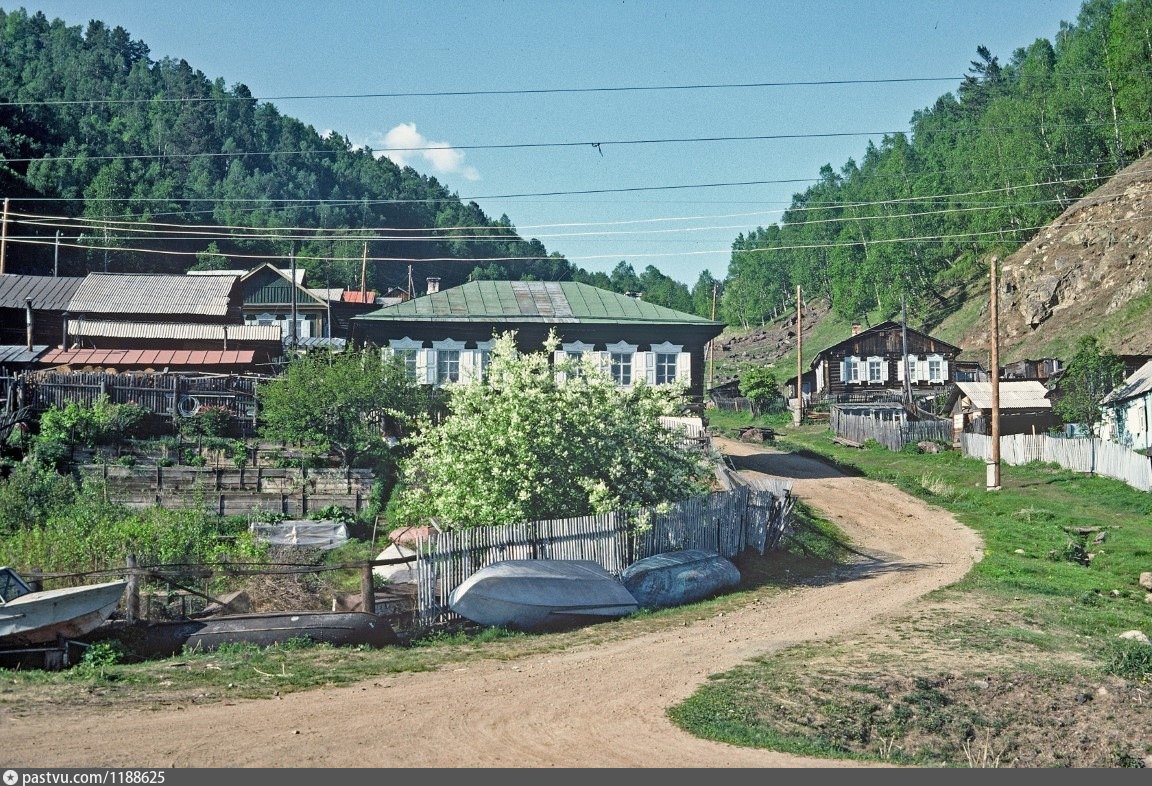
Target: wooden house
pixel 871 365
pixel 1127 411
pixel 445 335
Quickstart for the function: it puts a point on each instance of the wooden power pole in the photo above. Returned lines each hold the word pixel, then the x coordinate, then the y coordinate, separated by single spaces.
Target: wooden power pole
pixel 994 461
pixel 799 359
pixel 712 344
pixel 4 236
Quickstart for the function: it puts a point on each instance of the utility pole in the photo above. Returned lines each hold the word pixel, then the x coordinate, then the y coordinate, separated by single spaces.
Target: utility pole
pixel 904 350
pixel 994 462
pixel 292 338
pixel 56 257
pixel 4 236
pixel 364 274
pixel 411 287
pixel 712 344
pixel 799 358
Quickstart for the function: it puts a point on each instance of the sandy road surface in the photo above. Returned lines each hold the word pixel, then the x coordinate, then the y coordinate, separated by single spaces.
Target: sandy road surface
pixel 592 706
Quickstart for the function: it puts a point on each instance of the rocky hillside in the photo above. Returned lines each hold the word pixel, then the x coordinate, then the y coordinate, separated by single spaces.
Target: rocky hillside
pixel 1089 271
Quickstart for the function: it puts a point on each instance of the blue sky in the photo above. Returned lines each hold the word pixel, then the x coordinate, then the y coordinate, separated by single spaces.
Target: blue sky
pixel 320 61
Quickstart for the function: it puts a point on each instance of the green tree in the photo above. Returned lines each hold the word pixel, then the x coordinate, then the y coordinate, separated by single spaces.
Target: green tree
pixel 1091 374
pixel 346 403
pixel 759 384
pixel 534 440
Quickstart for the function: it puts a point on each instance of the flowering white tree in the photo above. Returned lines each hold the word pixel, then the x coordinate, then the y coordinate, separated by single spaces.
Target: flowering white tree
pixel 536 440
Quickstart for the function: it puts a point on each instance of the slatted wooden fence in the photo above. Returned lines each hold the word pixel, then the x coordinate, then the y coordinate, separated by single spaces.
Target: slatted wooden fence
pixel 892 434
pixel 726 523
pixel 1079 454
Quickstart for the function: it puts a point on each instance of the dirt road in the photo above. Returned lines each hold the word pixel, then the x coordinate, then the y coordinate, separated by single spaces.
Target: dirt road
pixel 593 706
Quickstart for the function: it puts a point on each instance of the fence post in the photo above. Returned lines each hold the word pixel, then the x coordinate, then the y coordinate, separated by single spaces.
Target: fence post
pixel 367 591
pixel 132 596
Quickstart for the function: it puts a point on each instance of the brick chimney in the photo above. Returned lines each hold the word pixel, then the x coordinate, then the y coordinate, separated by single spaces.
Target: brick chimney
pixel 433 286
pixel 855 328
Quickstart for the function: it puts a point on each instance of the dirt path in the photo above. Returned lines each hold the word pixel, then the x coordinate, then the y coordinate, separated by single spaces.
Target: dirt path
pixel 592 706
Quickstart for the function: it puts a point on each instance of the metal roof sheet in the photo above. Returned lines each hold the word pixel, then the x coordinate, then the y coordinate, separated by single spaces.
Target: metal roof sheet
pixel 120 293
pixel 158 358
pixel 48 293
pixel 1137 384
pixel 316 342
pixel 533 301
pixel 19 353
pixel 1012 394
pixel 172 330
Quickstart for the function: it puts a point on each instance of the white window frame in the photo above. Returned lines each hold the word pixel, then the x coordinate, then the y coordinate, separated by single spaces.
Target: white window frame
pixel 447 347
pixel 850 370
pixel 936 375
pixel 876 363
pixel 665 350
pixel 622 349
pixel 406 344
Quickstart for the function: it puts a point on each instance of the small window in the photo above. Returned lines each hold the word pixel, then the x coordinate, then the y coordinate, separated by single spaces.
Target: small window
pixel 936 369
pixel 665 368
pixel 447 366
pixel 622 368
pixel 408 358
pixel 851 369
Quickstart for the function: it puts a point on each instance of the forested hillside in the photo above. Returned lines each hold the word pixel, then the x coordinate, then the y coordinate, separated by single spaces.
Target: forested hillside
pixel 144 151
pixel 983 169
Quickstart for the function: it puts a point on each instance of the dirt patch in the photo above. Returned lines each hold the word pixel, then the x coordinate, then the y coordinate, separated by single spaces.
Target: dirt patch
pixel 593 705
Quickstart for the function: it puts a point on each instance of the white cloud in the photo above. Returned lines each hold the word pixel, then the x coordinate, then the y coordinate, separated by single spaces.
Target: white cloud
pixel 443 158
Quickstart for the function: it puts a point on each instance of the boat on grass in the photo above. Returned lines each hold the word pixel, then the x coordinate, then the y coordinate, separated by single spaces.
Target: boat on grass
pixel 147 640
pixel 678 577
pixel 30 618
pixel 541 594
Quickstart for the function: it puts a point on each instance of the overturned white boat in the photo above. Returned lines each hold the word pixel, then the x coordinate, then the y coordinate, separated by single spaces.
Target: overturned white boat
pixel 29 618
pixel 539 594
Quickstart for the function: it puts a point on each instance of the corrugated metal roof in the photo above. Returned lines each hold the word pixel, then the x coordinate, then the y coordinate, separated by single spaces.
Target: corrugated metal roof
pixel 532 301
pixel 18 353
pixel 48 293
pixel 172 330
pixel 1137 384
pixel 154 358
pixel 1012 394
pixel 120 293
pixel 331 293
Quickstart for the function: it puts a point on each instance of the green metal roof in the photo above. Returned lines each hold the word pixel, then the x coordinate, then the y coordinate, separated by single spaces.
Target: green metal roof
pixel 533 301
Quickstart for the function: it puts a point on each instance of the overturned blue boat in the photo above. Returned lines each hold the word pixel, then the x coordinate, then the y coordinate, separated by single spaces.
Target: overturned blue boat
pixel 679 577
pixel 541 594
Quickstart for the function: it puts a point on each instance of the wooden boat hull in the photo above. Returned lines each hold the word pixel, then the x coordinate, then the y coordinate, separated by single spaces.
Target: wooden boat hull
pixel 68 612
pixel 679 577
pixel 541 594
pixel 149 640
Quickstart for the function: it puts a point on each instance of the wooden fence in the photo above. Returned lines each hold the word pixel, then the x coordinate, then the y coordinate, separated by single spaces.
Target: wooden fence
pixel 290 491
pixel 892 434
pixel 726 523
pixel 1079 454
pixel 170 395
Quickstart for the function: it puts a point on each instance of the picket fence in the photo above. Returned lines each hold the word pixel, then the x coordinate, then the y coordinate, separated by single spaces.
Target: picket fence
pixel 892 434
pixel 726 522
pixel 1080 454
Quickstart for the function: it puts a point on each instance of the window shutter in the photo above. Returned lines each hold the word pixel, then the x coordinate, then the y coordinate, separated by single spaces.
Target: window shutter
pixel 646 367
pixel 922 370
pixel 884 370
pixel 901 367
pixel 843 365
pixel 422 373
pixel 684 367
pixel 469 365
pixel 944 371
